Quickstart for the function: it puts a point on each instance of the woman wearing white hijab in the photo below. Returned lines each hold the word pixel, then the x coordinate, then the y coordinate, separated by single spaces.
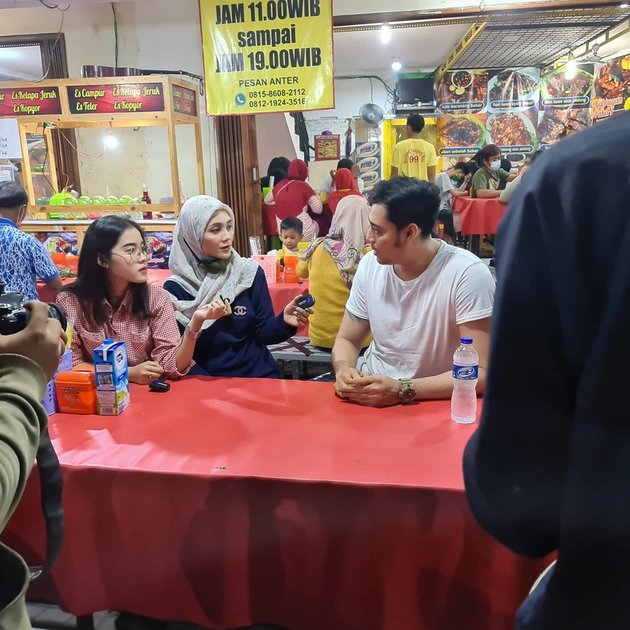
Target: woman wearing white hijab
pixel 208 271
pixel 330 264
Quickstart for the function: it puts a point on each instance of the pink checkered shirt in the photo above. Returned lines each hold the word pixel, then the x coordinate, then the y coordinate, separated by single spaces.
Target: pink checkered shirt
pixel 156 339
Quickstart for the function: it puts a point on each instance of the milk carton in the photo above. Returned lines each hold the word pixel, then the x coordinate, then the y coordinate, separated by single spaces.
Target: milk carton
pixel 50 398
pixel 112 377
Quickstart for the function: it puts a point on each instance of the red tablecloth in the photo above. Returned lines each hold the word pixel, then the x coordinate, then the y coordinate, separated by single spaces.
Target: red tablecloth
pixel 478 216
pixel 227 502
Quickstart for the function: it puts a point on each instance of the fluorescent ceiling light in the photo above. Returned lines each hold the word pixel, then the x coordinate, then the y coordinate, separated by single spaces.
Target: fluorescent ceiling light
pixel 386 34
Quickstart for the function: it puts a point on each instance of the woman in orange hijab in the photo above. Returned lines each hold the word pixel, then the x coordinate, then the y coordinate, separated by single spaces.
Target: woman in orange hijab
pixel 345 185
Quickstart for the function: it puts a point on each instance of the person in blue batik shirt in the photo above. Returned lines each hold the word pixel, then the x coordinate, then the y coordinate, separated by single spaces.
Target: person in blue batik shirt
pixel 207 270
pixel 23 258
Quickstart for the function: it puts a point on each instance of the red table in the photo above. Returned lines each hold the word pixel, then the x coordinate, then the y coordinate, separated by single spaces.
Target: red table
pixel 478 216
pixel 228 502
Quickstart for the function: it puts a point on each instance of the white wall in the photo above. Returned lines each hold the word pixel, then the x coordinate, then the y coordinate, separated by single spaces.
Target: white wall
pixel 274 139
pixel 160 34
pixel 350 94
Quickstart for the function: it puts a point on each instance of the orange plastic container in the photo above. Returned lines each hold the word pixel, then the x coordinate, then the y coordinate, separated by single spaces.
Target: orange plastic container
pixel 59 259
pixel 290 268
pixel 72 263
pixel 76 392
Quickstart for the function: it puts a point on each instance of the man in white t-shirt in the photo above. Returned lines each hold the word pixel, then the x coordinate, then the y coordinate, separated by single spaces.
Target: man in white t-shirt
pixel 417 296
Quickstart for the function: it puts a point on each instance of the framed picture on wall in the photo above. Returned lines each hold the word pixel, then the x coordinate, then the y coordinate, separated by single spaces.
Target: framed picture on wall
pixel 327 147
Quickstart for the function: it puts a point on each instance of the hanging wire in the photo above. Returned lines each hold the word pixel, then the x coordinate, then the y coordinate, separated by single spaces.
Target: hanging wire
pixel 54 6
pixel 52 50
pixel 115 35
pixel 78 151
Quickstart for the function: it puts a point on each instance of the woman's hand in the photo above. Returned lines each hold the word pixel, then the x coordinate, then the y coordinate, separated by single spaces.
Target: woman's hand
pixel 215 310
pixel 146 372
pixel 295 316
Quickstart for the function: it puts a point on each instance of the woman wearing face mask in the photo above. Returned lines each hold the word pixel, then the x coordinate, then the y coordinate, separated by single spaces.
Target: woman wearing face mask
pixel 207 271
pixel 111 299
pixel 487 180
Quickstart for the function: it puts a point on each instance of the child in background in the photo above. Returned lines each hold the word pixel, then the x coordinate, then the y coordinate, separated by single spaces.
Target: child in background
pixel 291 232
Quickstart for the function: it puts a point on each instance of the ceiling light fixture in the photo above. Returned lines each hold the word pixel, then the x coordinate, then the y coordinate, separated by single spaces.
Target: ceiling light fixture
pixel 396 65
pixel 110 141
pixel 386 34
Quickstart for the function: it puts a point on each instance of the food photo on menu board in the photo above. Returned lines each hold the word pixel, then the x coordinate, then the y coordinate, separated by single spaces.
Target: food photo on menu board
pixel 612 88
pixel 555 124
pixel 557 90
pixel 514 133
pixel 462 134
pixel 463 91
pixel 566 102
pixel 514 89
pixel 513 98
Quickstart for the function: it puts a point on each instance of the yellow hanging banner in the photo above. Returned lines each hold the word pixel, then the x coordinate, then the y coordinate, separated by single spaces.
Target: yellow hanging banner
pixel 267 56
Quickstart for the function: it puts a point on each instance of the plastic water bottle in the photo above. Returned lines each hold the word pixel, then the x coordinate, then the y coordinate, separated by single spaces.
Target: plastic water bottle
pixel 465 374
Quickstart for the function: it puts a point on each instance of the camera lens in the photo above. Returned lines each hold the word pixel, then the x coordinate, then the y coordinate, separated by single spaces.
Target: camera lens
pixel 54 312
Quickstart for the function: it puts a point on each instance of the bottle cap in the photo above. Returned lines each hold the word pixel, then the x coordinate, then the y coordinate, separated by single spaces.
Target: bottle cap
pixel 108 341
pixel 466 341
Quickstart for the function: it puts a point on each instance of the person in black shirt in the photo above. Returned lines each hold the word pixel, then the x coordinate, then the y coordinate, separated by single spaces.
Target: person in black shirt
pixel 549 467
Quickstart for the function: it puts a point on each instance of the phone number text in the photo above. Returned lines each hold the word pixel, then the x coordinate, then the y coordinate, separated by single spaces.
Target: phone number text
pixel 277 93
pixel 277 102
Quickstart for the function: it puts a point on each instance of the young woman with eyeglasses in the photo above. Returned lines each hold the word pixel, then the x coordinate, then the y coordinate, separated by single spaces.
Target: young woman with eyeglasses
pixel 111 299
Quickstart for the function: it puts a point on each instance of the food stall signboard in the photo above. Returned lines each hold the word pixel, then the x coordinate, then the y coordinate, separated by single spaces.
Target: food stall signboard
pixel 29 100
pixel 184 101
pixel 271 56
pixel 123 98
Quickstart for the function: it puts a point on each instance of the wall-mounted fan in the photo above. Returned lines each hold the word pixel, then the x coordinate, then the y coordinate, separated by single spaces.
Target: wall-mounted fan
pixel 594 57
pixel 372 114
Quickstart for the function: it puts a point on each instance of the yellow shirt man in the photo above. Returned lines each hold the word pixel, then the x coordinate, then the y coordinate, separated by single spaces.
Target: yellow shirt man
pixel 413 157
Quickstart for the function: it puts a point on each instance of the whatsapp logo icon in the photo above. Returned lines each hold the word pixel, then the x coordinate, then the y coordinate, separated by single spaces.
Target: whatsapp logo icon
pixel 240 99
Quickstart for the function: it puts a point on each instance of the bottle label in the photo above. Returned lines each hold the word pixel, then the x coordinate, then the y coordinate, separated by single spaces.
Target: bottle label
pixel 466 372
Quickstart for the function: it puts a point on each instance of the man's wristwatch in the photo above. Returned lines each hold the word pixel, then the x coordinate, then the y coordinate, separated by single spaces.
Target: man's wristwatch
pixel 406 391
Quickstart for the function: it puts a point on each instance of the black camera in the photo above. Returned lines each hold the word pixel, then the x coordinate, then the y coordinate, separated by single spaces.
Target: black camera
pixel 14 317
